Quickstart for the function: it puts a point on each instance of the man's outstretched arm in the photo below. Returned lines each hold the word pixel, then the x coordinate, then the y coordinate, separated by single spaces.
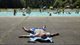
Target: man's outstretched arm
pixel 26 30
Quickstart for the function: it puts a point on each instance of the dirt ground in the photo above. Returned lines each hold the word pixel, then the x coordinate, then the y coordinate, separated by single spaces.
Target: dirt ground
pixel 68 27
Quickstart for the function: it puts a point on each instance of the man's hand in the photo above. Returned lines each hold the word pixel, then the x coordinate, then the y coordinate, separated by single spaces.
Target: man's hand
pixel 44 26
pixel 25 29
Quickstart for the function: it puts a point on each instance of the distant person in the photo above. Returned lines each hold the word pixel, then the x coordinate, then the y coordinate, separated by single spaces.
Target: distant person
pixel 40 10
pixel 15 12
pixel 69 12
pixel 28 10
pixel 59 11
pixel 50 14
pixel 62 10
pixel 23 11
pixel 77 10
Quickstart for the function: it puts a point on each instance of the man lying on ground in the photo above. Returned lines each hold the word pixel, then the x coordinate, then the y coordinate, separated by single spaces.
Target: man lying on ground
pixel 39 31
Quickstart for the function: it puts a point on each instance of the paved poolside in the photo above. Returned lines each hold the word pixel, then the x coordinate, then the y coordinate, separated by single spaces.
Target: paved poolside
pixel 68 27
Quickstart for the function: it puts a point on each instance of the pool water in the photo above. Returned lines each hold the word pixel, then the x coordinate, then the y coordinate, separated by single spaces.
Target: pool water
pixel 39 14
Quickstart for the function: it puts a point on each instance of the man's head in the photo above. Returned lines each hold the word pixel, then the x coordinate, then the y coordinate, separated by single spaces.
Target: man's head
pixel 44 26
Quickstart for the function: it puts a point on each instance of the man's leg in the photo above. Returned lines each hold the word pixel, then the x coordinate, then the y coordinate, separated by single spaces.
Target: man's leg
pixel 49 39
pixel 25 36
pixel 33 38
pixel 51 35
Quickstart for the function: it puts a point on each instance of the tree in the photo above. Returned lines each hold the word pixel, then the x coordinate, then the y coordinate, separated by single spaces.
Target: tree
pixel 76 3
pixel 59 3
pixel 23 2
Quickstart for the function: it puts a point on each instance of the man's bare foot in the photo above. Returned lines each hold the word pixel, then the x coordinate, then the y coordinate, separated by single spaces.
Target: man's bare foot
pixel 56 34
pixel 24 36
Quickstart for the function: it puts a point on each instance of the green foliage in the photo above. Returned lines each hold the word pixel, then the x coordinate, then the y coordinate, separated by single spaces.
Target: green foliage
pixel 63 3
pixel 23 2
pixel 37 4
